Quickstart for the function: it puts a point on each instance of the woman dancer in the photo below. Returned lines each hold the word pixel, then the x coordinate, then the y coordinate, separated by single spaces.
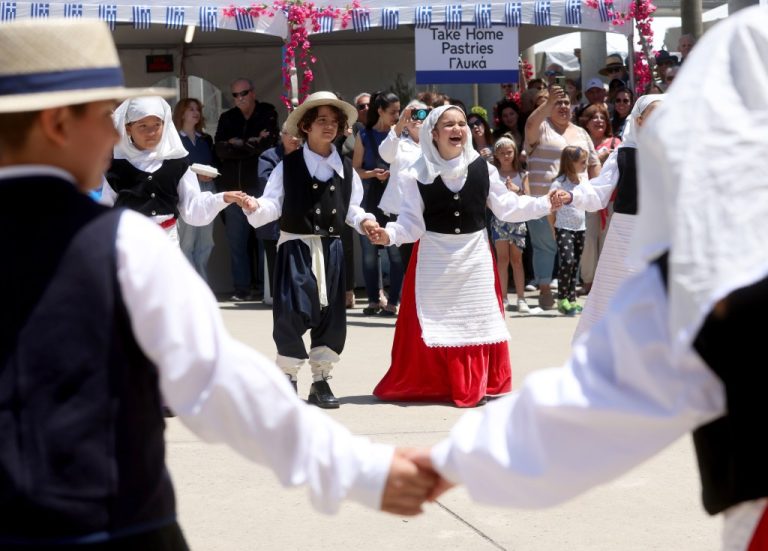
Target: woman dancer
pixel 451 338
pixel 150 170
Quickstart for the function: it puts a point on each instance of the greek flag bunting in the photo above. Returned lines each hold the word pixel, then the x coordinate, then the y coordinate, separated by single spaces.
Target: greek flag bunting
pixel 542 13
pixel 7 11
pixel 39 9
pixel 174 17
pixel 483 16
pixel 390 19
pixel 453 17
pixel 573 12
pixel 244 21
pixel 326 24
pixel 142 17
pixel 513 14
pixel 361 20
pixel 602 10
pixel 108 13
pixel 73 10
pixel 209 18
pixel 423 17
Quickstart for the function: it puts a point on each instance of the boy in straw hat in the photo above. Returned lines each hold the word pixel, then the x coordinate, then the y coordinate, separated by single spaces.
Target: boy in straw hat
pixel 105 315
pixel 314 193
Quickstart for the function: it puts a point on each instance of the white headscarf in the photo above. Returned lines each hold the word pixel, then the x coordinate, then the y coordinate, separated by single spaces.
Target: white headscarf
pixel 132 110
pixel 431 164
pixel 629 137
pixel 703 189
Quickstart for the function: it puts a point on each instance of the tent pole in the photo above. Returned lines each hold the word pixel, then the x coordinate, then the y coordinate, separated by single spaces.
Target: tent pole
pixel 631 60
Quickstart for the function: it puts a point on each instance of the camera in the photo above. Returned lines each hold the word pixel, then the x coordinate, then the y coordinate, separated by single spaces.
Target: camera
pixel 560 81
pixel 419 114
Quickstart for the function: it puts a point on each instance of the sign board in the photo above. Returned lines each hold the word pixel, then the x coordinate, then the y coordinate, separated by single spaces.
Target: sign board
pixel 160 63
pixel 466 55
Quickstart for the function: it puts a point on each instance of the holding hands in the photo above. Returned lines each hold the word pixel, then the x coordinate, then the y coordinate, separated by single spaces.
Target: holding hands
pixel 412 480
pixel 558 198
pixel 243 200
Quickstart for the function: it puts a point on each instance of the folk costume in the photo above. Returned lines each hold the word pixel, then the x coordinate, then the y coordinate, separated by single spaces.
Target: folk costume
pixel 617 180
pixel 451 337
pixel 157 183
pixel 675 351
pixel 313 196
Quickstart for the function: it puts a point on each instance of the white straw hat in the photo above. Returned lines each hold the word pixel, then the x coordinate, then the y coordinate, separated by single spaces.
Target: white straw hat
pixel 48 63
pixel 316 100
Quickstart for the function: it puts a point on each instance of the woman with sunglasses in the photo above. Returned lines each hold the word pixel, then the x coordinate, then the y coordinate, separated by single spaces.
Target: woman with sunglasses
pixel 482 140
pixel 623 102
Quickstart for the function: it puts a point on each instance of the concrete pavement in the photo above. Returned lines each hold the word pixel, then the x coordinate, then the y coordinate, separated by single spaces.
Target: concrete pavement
pixel 228 503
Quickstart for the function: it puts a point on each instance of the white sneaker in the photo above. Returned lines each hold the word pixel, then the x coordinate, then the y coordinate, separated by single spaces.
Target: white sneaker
pixel 522 307
pixel 530 287
pixel 553 284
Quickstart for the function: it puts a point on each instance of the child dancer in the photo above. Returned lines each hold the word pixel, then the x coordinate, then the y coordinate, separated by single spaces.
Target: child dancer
pixel 451 338
pixel 509 237
pixel 313 193
pixel 569 223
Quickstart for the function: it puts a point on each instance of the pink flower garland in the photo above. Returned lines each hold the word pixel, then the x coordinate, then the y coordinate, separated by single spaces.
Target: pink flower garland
pixel 302 17
pixel 641 11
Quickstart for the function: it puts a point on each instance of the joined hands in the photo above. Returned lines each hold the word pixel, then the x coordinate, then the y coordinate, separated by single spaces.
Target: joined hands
pixel 412 480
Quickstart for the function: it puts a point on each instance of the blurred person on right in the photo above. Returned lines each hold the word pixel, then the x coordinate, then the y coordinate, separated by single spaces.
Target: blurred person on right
pixel 676 352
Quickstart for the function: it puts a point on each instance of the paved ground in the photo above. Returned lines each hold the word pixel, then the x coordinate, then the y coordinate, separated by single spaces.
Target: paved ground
pixel 228 503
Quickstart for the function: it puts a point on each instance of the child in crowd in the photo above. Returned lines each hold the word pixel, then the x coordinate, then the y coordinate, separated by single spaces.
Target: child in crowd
pixel 313 193
pixel 569 224
pixel 150 170
pixel 509 237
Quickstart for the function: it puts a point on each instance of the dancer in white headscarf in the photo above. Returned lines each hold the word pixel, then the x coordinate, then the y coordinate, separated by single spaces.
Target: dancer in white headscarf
pixel 618 178
pixel 451 339
pixel 150 170
pixel 680 347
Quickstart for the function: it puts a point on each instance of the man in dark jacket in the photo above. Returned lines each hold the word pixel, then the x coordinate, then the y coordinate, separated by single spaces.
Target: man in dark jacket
pixel 243 133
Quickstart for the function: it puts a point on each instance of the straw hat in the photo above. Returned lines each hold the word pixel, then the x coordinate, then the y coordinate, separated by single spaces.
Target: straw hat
pixel 48 63
pixel 613 61
pixel 316 100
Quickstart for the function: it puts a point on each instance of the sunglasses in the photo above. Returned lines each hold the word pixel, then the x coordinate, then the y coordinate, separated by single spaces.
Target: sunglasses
pixel 241 94
pixel 362 106
pixel 475 124
pixel 625 100
pixel 613 69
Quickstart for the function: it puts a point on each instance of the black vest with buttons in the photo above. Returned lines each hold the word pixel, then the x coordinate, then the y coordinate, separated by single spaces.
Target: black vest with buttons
pixel 82 448
pixel 626 188
pixel 732 456
pixel 150 193
pixel 312 207
pixel 459 212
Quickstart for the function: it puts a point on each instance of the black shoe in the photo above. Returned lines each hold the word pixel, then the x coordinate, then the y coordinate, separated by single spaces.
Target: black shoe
pixel 321 395
pixel 167 412
pixel 295 384
pixel 241 297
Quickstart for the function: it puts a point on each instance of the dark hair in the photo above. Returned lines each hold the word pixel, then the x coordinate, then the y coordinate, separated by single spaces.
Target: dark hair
pixel 460 104
pixel 181 107
pixel 379 100
pixel 15 127
pixel 498 109
pixel 486 130
pixel 311 115
pixel 536 83
pixel 590 111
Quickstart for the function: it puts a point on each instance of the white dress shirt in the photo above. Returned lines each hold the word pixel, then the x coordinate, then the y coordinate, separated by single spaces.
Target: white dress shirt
pixel 595 194
pixel 618 400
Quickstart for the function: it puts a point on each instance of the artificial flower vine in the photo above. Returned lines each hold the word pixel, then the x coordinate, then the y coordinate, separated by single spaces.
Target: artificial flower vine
pixel 303 17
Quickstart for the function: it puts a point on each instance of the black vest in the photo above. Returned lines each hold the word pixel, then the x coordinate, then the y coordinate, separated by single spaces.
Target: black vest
pixel 312 207
pixel 732 456
pixel 460 212
pixel 626 188
pixel 152 194
pixel 82 448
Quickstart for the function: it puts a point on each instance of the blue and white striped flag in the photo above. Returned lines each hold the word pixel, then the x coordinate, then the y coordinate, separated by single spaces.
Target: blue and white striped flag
pixel 573 12
pixel 142 17
pixel 453 17
pixel 602 10
pixel 423 17
pixel 542 13
pixel 108 13
pixel 244 21
pixel 513 14
pixel 483 16
pixel 209 18
pixel 73 10
pixel 361 19
pixel 174 17
pixel 7 11
pixel 39 9
pixel 326 24
pixel 390 19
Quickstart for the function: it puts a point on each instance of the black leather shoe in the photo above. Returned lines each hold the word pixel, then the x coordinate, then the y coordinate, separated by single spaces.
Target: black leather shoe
pixel 295 384
pixel 321 395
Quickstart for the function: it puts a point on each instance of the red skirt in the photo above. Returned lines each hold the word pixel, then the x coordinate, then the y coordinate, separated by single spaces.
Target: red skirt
pixel 419 373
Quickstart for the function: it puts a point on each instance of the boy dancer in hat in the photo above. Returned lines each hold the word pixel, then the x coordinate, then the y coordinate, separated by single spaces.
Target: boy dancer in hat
pixel 314 193
pixel 106 315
